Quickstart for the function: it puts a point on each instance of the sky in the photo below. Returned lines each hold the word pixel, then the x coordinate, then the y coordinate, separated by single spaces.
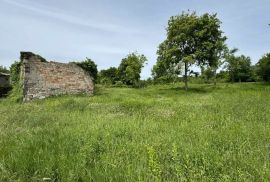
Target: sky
pixel 107 30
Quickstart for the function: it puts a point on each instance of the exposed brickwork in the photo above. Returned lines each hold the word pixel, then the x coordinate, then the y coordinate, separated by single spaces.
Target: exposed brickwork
pixel 43 79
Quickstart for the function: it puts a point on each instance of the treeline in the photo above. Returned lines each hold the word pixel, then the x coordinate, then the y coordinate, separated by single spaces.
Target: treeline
pixel 127 73
pixel 232 69
pixel 195 49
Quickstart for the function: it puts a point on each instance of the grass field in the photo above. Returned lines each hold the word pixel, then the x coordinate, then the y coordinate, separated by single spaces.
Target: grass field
pixel 158 133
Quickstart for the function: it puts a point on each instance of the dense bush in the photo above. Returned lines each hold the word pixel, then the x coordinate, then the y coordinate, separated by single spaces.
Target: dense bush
pixel 119 84
pixel 263 67
pixel 108 76
pixel 208 74
pixel 239 68
pixel 104 81
pixel 15 93
pixel 166 79
pixel 15 70
pixel 141 84
pixel 3 69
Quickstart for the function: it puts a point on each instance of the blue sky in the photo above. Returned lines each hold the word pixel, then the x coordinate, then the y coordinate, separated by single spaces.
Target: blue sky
pixel 107 30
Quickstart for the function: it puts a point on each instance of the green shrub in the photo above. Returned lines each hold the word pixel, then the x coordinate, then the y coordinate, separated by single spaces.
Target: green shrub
pixel 3 69
pixel 263 68
pixel 15 70
pixel 16 92
pixel 166 79
pixel 119 84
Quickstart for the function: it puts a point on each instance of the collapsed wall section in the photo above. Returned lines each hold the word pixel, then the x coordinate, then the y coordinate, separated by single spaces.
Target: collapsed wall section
pixel 42 79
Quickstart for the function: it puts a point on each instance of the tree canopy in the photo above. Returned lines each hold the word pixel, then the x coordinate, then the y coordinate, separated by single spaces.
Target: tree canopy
pixel 239 67
pixel 130 68
pixel 109 75
pixel 263 67
pixel 3 69
pixel 191 39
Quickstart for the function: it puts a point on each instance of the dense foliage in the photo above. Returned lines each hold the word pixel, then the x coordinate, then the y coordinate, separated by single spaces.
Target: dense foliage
pixel 3 69
pixel 164 69
pixel 239 68
pixel 207 73
pixel 263 67
pixel 191 39
pixel 15 70
pixel 89 66
pixel 108 76
pixel 130 68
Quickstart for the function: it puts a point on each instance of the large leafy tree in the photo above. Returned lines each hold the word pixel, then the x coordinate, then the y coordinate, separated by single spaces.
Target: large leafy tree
pixel 165 68
pixel 192 39
pixel 239 67
pixel 212 49
pixel 263 67
pixel 109 75
pixel 130 68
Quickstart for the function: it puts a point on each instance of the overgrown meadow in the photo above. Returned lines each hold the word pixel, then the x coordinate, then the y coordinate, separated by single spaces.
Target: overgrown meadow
pixel 157 133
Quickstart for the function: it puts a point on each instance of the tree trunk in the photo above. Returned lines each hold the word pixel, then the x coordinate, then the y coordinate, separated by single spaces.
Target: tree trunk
pixel 215 77
pixel 186 78
pixel 232 77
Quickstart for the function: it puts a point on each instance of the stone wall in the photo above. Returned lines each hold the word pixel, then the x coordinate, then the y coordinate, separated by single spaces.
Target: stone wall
pixel 4 80
pixel 42 79
pixel 5 86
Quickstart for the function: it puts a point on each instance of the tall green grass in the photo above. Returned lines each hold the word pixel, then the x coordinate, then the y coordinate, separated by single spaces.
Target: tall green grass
pixel 158 133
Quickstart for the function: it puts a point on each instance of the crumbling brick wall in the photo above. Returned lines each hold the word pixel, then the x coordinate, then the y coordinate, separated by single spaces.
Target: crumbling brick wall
pixel 42 79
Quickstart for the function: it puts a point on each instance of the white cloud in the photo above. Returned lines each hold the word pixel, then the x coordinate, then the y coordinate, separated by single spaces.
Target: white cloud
pixel 62 16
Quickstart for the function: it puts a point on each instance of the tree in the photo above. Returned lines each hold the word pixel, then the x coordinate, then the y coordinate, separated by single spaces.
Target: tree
pixel 208 74
pixel 109 75
pixel 3 69
pixel 223 76
pixel 15 70
pixel 212 48
pixel 130 68
pixel 89 66
pixel 164 69
pixel 263 67
pixel 239 67
pixel 192 39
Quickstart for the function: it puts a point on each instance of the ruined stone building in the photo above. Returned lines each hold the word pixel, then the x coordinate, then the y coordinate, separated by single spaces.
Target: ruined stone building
pixel 41 79
pixel 5 86
pixel 4 80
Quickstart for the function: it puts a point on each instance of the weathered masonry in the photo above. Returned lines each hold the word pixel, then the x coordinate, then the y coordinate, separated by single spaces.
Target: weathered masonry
pixel 42 79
